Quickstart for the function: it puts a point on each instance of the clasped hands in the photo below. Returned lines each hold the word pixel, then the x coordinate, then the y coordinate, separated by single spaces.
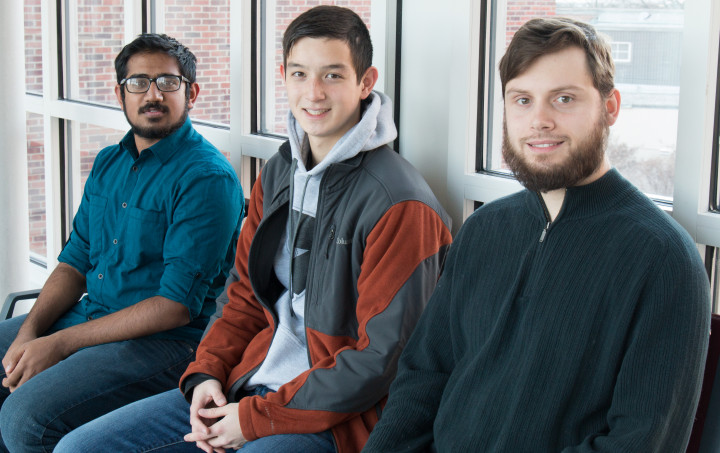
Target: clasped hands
pixel 215 423
pixel 28 356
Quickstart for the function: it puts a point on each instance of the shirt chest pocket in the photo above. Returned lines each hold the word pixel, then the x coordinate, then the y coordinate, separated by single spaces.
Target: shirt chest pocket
pixel 144 235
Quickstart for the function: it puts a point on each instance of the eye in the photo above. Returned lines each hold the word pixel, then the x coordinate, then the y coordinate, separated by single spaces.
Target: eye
pixel 333 76
pixel 522 101
pixel 564 99
pixel 138 82
pixel 297 74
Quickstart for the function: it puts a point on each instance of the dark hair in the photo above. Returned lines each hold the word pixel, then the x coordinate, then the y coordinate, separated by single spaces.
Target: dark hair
pixel 332 22
pixel 156 43
pixel 544 36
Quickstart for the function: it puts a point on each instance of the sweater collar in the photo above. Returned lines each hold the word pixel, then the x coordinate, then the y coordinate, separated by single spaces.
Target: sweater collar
pixel 591 199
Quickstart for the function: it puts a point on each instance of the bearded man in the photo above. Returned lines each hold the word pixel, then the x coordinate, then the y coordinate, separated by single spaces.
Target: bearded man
pixel 572 316
pixel 151 246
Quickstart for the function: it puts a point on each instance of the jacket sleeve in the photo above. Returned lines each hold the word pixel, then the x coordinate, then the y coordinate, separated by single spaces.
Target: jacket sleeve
pixel 242 318
pixel 659 380
pixel 400 267
pixel 423 371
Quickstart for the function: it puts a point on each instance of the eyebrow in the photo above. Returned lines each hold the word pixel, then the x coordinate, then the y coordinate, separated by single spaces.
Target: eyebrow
pixel 150 77
pixel 335 66
pixel 554 90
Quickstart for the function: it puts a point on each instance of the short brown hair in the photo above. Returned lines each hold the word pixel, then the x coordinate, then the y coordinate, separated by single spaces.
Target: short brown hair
pixel 543 36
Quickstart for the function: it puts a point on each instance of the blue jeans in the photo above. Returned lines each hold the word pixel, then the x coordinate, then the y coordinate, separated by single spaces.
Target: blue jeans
pixel 86 385
pixel 158 424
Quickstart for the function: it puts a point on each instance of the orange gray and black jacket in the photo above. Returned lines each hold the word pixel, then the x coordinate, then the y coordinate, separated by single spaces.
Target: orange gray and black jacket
pixel 380 238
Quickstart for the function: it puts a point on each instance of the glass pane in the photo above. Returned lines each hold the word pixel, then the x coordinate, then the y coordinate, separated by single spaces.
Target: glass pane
pixel 204 28
pixel 278 14
pixel 92 47
pixel 33 47
pixel 36 183
pixel 86 141
pixel 646 40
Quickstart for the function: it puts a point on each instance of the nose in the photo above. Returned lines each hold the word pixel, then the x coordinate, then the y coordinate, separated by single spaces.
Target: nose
pixel 542 118
pixel 153 93
pixel 315 91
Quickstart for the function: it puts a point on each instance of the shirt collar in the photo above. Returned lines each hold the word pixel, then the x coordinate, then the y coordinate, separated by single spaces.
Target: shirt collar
pixel 165 148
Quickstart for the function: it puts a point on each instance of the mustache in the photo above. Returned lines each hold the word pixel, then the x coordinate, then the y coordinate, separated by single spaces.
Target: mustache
pixel 153 106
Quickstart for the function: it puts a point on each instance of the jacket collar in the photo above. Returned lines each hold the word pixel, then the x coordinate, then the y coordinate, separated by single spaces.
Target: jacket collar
pixel 591 199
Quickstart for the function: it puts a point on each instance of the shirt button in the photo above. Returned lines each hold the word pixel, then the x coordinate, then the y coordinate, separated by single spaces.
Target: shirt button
pixel 100 276
pixel 114 241
pixel 124 205
pixel 134 168
pixel 90 318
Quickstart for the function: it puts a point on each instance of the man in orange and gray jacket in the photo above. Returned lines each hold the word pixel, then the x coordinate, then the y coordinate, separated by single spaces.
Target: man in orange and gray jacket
pixel 341 250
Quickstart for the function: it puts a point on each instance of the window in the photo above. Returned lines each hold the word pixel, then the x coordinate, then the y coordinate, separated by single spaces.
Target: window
pixel 96 33
pixel 33 47
pixel 36 185
pixel 621 51
pixel 204 27
pixel 642 143
pixel 84 142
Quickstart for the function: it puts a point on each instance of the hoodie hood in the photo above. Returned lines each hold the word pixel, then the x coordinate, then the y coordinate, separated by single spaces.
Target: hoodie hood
pixel 375 128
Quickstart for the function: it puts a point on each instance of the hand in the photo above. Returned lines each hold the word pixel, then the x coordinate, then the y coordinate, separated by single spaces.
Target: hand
pixel 205 395
pixel 225 433
pixel 27 357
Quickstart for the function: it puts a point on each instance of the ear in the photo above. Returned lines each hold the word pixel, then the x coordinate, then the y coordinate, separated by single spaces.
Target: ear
pixel 367 82
pixel 118 95
pixel 192 96
pixel 282 71
pixel 612 106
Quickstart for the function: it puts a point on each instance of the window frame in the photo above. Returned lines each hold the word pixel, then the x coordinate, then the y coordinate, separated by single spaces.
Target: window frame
pixel 468 138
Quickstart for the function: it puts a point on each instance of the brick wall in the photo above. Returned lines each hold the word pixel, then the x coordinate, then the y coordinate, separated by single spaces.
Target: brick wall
pixel 36 183
pixel 100 34
pixel 204 27
pixel 520 11
pixel 33 47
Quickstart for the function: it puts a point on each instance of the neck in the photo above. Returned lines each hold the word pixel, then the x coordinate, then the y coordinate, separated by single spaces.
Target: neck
pixel 553 201
pixel 318 151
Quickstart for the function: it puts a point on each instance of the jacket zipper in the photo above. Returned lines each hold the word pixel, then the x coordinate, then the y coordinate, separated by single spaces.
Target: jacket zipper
pixel 547 217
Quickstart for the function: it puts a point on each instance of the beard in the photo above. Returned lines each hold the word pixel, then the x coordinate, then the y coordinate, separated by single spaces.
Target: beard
pixel 582 160
pixel 156 132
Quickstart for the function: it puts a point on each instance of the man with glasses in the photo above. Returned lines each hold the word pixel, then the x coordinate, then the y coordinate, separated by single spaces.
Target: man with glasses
pixel 153 239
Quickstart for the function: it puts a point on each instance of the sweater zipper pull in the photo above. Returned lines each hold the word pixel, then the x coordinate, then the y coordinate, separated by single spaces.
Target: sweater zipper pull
pixel 544 232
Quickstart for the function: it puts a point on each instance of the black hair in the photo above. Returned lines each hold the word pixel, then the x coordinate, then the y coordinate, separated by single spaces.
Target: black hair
pixel 334 22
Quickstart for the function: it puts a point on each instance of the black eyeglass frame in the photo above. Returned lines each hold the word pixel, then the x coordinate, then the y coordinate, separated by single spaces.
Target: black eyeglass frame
pixel 155 79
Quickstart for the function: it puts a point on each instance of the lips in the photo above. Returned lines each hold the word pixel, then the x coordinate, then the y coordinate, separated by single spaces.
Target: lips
pixel 543 144
pixel 316 112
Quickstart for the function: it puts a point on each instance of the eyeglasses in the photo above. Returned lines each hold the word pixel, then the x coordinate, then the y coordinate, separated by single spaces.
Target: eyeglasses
pixel 164 83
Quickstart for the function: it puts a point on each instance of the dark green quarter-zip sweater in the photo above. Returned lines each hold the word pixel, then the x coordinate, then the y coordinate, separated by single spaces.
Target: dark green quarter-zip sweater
pixel 591 339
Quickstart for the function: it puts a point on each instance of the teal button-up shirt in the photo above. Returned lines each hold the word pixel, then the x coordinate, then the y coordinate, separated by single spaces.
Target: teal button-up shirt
pixel 163 222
